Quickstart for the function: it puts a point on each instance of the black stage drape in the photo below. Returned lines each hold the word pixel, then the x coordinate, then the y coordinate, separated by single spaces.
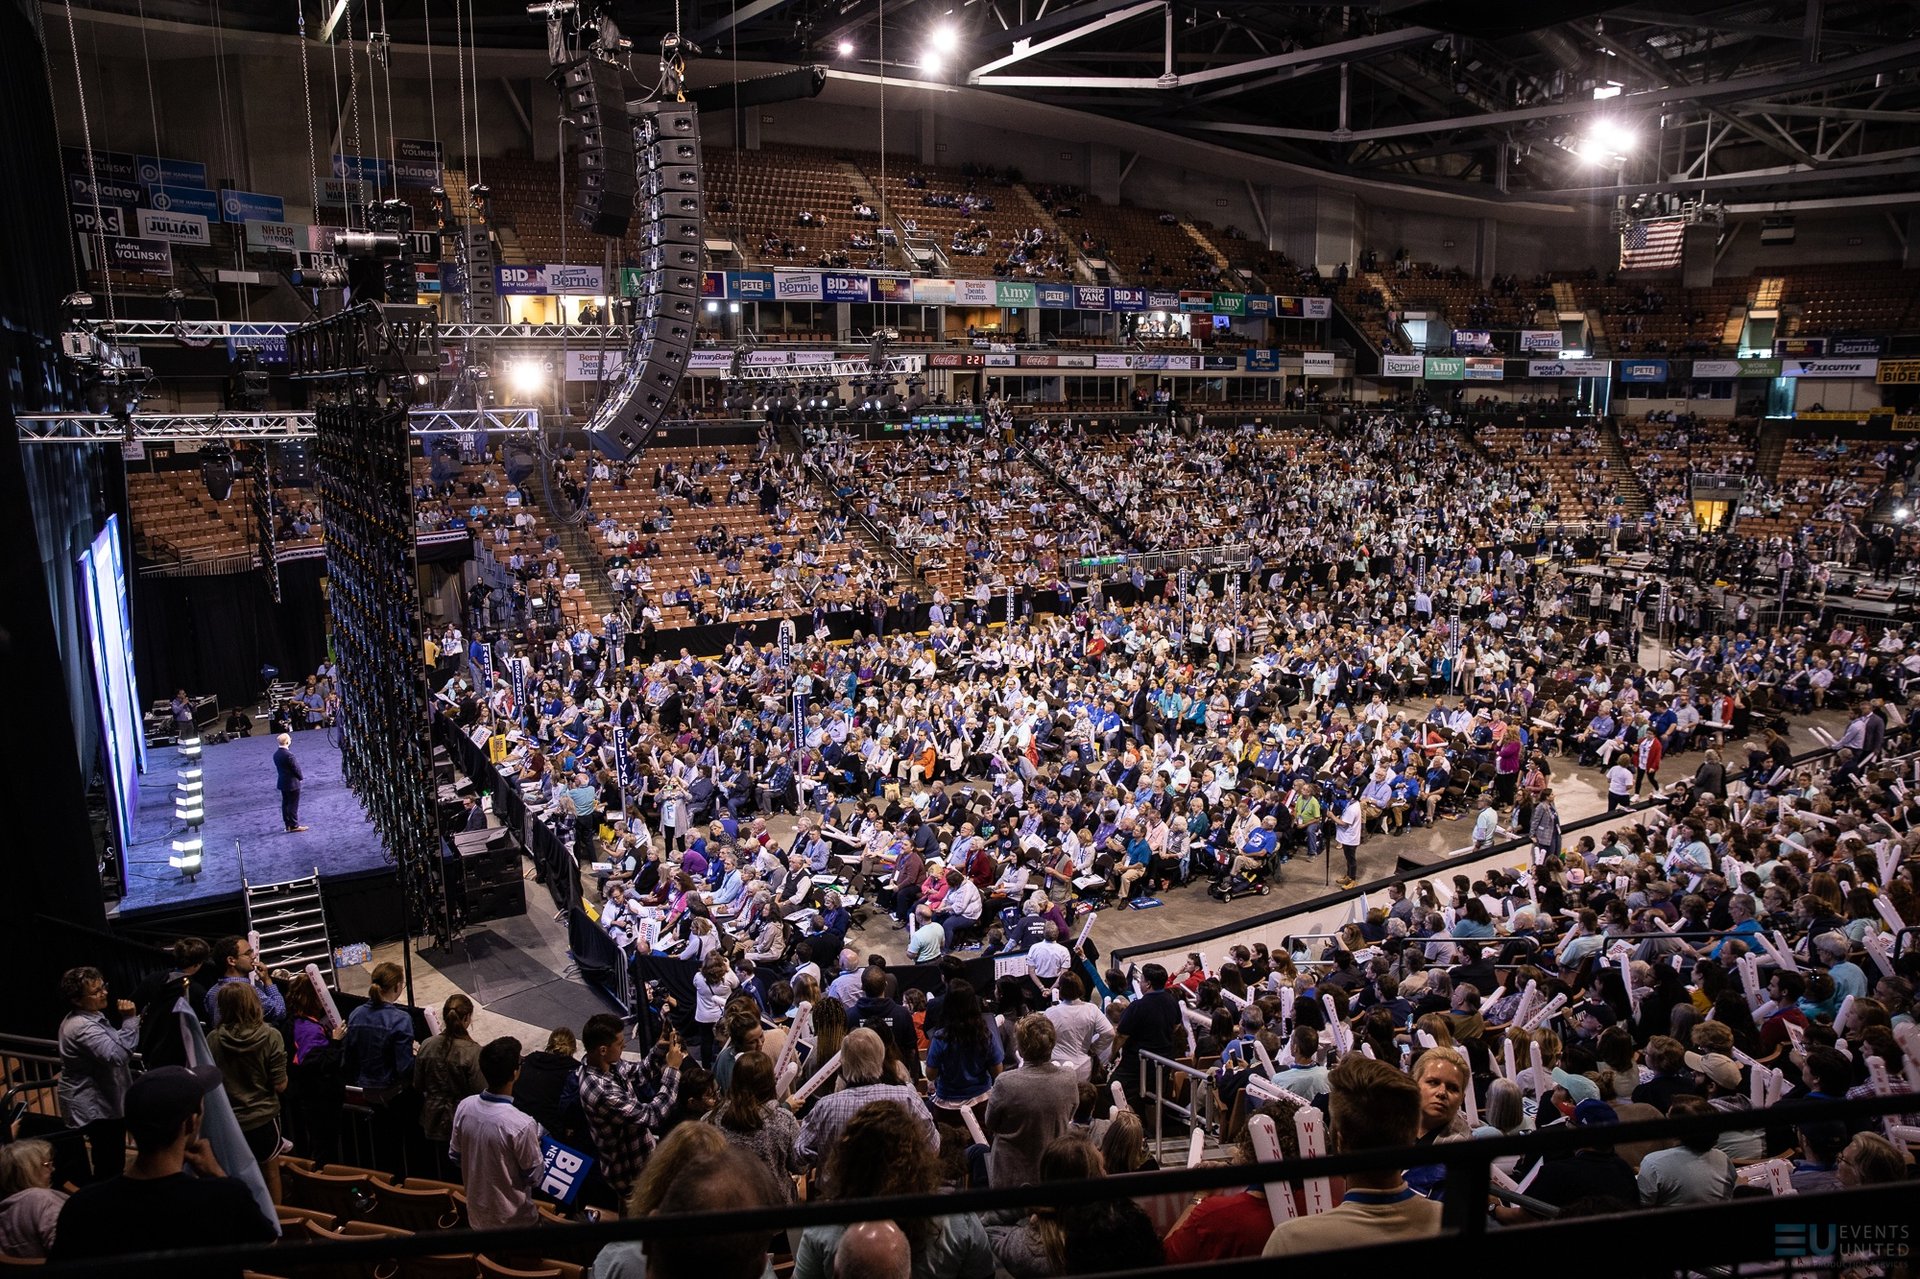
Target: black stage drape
pixel 213 634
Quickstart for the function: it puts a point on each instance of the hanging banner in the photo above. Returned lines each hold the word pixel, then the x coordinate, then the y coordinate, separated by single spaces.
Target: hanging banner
pixel 932 292
pixel 892 288
pixel 1195 302
pixel 1091 297
pixel 1568 368
pixel 957 360
pixel 575 281
pixel 416 162
pixel 110 220
pixel 1263 360
pixel 1149 363
pixel 155 170
pixel 1290 308
pixel 1540 340
pixel 1122 299
pixel 1402 366
pixel 594 366
pixel 748 286
pixel 108 166
pixel 1645 371
pixel 1054 297
pixel 1259 306
pixel 1317 363
pixel 250 206
pixel 1230 304
pixel 1829 368
pixel 797 286
pixel 1053 361
pixel 1856 346
pixel 155 257
pixel 1708 370
pixel 713 284
pixel 976 293
pixel 174 228
pixel 1012 295
pixel 710 360
pixel 1898 373
pixel 82 190
pixel 426 277
pixel 1445 368
pixel 341 193
pixel 1162 300
pixel 1759 367
pixel 1486 368
pixel 365 168
pixel 845 288
pixel 1472 340
pixel 276 237
pixel 1800 346
pixel 1317 308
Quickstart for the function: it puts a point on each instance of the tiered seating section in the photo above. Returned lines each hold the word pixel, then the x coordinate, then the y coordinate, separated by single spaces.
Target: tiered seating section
pixel 511 525
pixel 1822 483
pixel 1842 300
pixel 1006 240
pixel 1666 454
pixel 757 199
pixel 1581 483
pixel 1660 317
pixel 1141 248
pixel 176 520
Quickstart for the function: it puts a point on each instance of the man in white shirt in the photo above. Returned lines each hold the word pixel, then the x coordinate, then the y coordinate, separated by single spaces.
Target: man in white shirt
pixel 1047 959
pixel 497 1146
pixel 1619 785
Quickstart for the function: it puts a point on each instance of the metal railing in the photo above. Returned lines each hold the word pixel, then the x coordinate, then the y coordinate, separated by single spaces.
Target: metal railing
pixel 1202 1108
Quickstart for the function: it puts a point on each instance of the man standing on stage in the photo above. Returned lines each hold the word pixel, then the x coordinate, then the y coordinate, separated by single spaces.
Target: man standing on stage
pixel 288 769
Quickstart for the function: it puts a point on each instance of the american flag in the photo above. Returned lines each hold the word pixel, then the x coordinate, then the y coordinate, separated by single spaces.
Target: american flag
pixel 1651 246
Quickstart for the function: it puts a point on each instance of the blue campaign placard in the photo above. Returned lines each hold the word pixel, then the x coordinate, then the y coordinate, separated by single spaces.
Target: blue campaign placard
pixel 563 1170
pixel 197 201
pixel 250 206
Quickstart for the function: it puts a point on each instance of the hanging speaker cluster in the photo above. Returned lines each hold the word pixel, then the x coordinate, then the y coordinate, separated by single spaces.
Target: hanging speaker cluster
pixel 596 104
pixel 669 179
pixel 475 261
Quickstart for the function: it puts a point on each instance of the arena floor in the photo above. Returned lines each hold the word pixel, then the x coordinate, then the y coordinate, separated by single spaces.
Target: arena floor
pixel 527 1009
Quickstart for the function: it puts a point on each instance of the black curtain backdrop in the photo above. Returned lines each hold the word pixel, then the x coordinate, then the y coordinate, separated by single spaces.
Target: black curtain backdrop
pixel 213 634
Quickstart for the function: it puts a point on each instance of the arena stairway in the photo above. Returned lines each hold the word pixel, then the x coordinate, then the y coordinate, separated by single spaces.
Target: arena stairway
pixel 289 925
pixel 1635 500
pixel 1032 206
pixel 1073 495
pixel 580 555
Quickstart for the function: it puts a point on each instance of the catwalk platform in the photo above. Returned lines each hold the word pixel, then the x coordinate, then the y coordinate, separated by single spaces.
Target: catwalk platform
pixel 244 839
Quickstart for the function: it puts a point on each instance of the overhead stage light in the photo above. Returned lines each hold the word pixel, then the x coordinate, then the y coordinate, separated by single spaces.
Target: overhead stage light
pixel 526 379
pixel 846 48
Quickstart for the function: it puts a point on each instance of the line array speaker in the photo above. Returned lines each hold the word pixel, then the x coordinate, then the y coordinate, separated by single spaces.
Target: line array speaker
pixel 670 182
pixel 596 105
pixel 475 260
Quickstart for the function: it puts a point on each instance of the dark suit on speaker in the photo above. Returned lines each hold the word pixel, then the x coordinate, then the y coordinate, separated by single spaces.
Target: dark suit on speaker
pixel 289 781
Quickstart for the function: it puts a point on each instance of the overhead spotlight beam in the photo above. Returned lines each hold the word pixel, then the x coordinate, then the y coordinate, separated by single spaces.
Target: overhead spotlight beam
pixel 333 19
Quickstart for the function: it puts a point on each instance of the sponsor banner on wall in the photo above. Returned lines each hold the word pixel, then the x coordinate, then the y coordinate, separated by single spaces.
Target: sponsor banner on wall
pixel 1898 373
pixel 1540 339
pixel 976 293
pixel 1856 346
pixel 1649 371
pixel 1263 360
pixel 957 360
pixel 416 162
pixel 1091 297
pixel 174 228
pixel 276 237
pixel 183 200
pixel 155 257
pixel 1317 363
pixel 893 288
pixel 1219 363
pixel 935 292
pixel 749 286
pixel 1056 361
pixel 1472 340
pixel 1759 367
pixel 1402 366
pixel 158 171
pixel 1800 346
pixel 1706 370
pixel 797 286
pixel 1009 294
pixel 710 360
pixel 1162 300
pixel 1829 368
pixel 1568 368
pixel 109 220
pixel 1446 368
pixel 1156 363
pixel 1001 360
pixel 1485 368
pixel 846 288
pixel 1126 299
pixel 1229 304
pixel 251 206
pixel 592 366
pixel 1259 306
pixel 1054 297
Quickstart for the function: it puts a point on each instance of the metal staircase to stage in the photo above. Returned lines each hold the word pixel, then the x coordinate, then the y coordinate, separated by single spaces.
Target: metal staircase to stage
pixel 291 921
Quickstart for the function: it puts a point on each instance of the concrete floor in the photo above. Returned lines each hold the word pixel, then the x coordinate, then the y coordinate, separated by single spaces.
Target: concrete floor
pixel 1579 793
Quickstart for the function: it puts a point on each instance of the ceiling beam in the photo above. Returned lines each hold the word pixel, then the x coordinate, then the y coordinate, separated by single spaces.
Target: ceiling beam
pixel 1813 110
pixel 1901 163
pixel 745 13
pixel 1736 90
pixel 1025 48
pixel 1293 62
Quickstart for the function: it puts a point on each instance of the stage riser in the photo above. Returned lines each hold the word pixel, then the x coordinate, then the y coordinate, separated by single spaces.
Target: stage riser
pixel 360 908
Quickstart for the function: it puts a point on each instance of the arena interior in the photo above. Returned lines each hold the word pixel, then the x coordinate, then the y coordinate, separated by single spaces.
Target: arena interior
pixel 959 639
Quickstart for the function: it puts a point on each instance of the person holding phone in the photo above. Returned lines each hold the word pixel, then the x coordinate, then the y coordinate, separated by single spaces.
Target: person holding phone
pixel 625 1101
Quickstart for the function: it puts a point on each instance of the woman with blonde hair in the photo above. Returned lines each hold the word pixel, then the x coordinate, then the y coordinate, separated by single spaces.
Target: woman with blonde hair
pixel 1124 1147
pixel 678 1151
pixel 29 1206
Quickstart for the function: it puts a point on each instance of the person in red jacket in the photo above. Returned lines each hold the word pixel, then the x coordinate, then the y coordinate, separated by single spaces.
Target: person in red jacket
pixel 1646 758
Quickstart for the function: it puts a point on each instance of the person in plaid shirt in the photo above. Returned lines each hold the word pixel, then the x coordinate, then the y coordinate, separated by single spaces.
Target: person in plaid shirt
pixel 625 1100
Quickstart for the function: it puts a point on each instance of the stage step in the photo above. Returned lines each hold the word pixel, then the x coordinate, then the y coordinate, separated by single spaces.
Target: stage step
pixel 291 922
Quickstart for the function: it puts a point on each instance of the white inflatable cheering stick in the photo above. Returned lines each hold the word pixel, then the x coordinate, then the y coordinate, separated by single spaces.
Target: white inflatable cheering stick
pixel 1312 1135
pixel 1266 1148
pixel 327 1006
pixel 1472 1103
pixel 813 1085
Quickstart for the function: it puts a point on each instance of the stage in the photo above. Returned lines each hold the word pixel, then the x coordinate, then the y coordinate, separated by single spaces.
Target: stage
pixel 244 839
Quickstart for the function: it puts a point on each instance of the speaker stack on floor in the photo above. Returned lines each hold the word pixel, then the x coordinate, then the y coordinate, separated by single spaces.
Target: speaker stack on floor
pixel 671 183
pixel 483 876
pixel 596 103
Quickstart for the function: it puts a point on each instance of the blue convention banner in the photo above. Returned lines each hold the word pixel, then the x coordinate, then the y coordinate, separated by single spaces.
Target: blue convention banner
pixel 1263 360
pixel 363 168
pixel 1090 297
pixel 250 206
pixel 1259 306
pixel 750 286
pixel 1053 297
pixel 845 288
pixel 158 171
pixel 1128 299
pixel 199 202
pixel 1643 370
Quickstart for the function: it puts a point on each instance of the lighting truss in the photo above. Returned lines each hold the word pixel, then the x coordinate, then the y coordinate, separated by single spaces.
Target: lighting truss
pixel 94 428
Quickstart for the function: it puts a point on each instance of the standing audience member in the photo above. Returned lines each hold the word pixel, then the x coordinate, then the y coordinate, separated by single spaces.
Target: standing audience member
pixel 253 1060
pixel 497 1145
pixel 752 1118
pixel 626 1100
pixel 1028 1106
pixel 96 1067
pixel 447 1071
